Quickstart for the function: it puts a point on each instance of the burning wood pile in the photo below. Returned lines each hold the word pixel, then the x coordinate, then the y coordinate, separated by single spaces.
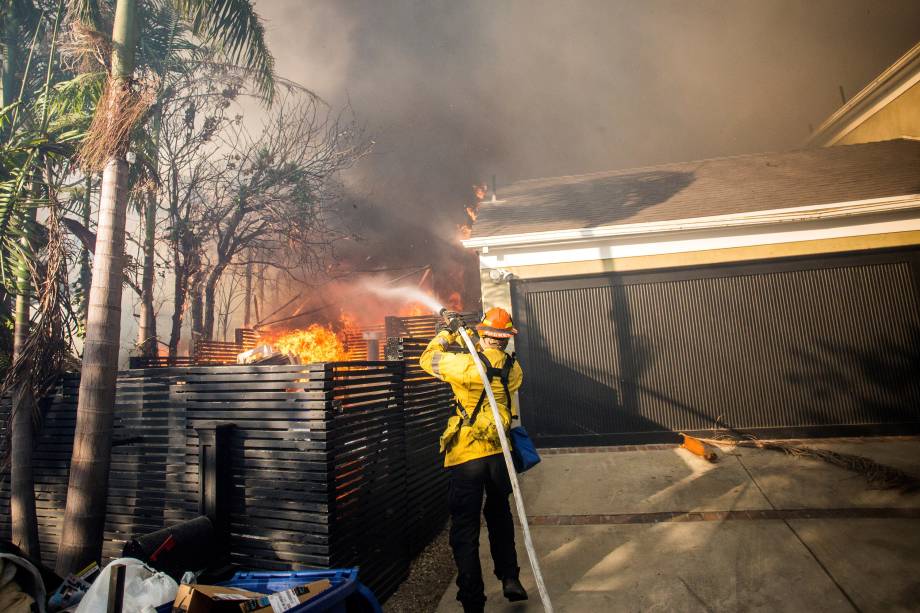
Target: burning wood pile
pixel 344 340
pixel 315 343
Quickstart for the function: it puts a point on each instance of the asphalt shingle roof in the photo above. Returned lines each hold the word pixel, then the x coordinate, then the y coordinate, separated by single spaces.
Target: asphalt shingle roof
pixel 708 187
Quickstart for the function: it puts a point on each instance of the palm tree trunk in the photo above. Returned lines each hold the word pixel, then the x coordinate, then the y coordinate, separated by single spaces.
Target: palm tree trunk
pixel 84 517
pixel 22 480
pixel 147 328
pixel 86 275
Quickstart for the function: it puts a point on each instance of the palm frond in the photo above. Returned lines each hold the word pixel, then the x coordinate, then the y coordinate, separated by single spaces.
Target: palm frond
pixel 235 26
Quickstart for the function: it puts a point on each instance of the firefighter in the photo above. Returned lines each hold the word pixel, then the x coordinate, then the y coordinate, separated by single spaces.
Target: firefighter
pixel 473 453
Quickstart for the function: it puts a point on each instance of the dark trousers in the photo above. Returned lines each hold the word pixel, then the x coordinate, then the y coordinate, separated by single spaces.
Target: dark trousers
pixel 468 482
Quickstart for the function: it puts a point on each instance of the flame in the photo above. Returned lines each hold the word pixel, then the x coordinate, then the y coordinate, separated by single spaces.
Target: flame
pixel 315 343
pixel 349 323
pixel 414 309
pixel 472 211
pixel 454 302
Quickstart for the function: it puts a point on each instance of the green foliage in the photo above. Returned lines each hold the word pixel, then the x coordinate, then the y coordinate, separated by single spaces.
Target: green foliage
pixel 236 29
pixel 40 134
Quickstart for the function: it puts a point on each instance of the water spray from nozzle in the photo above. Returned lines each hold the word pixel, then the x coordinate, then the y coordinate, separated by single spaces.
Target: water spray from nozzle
pixel 405 294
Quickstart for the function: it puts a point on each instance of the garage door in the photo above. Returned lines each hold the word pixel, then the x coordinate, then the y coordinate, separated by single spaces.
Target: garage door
pixel 785 347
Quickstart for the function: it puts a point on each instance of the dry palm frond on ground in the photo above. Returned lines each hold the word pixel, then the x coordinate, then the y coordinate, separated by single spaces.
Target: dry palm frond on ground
pixel 878 476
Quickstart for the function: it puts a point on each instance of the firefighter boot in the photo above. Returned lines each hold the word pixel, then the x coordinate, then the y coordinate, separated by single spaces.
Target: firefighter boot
pixel 513 590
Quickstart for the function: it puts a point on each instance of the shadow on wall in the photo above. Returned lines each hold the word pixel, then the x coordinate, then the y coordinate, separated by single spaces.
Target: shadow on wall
pixel 646 360
pixel 884 383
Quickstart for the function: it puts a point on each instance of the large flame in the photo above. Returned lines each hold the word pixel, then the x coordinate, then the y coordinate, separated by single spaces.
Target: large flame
pixel 315 343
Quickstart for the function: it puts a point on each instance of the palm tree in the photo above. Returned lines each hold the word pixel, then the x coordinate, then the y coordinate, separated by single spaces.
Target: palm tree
pixel 30 153
pixel 236 28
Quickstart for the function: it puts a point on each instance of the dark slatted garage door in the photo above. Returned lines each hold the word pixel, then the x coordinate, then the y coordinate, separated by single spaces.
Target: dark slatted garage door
pixel 813 346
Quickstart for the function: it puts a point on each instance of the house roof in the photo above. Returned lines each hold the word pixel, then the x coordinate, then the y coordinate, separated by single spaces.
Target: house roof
pixel 731 185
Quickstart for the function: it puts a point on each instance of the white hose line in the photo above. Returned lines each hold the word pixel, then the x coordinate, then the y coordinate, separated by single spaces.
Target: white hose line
pixel 512 474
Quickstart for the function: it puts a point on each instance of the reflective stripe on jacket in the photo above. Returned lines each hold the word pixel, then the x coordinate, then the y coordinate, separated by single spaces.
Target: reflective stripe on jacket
pixel 460 371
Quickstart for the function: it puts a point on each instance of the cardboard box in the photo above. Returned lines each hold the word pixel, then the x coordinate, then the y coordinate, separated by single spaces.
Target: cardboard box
pixel 286 600
pixel 210 599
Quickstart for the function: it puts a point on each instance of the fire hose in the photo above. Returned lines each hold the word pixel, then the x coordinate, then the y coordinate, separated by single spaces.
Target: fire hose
pixel 512 474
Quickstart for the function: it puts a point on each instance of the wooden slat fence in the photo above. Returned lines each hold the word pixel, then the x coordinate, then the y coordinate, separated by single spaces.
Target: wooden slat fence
pixel 216 352
pixel 428 404
pixel 159 361
pixel 333 464
pixel 51 461
pixel 356 344
pixel 149 484
pixel 421 326
pixel 247 338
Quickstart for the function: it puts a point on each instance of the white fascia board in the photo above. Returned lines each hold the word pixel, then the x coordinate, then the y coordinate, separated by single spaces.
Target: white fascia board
pixel 885 88
pixel 754 218
pixel 701 239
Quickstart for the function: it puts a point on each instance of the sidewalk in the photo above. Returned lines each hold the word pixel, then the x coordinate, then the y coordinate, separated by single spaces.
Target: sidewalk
pixel 664 530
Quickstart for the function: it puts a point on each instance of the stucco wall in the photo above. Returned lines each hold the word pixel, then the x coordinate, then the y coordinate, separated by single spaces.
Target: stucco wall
pixel 900 117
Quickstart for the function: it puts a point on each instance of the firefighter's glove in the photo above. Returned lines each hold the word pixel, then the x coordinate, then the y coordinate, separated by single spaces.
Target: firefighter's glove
pixel 454 321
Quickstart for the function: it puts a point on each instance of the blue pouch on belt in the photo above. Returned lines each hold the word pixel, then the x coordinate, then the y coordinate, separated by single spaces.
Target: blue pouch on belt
pixel 523 453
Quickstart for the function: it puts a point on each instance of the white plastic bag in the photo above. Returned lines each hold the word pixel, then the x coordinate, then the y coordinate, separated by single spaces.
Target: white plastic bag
pixel 143 587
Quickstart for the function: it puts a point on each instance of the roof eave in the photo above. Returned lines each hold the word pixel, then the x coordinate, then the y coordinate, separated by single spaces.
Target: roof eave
pixel 894 81
pixel 753 218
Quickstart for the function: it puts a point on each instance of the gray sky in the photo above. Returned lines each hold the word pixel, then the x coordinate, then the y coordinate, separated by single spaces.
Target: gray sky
pixel 453 92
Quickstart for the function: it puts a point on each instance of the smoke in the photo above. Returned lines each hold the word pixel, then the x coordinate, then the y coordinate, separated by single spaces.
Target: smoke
pixel 454 92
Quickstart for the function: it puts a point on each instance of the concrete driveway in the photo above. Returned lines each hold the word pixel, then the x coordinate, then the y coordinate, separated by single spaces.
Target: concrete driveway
pixel 657 528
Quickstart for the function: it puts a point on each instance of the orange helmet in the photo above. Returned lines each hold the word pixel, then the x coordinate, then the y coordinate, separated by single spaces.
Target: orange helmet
pixel 496 323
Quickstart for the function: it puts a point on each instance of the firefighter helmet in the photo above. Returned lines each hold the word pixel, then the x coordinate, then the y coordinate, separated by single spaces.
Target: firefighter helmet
pixel 496 323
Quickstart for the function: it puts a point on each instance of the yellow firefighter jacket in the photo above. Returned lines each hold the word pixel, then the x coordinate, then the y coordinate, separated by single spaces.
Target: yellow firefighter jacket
pixel 462 443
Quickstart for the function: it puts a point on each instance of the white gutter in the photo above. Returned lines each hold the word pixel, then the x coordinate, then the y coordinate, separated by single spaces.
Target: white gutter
pixel 772 216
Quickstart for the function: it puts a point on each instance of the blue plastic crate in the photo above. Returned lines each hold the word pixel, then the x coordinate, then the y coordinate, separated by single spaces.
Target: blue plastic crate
pixel 345 586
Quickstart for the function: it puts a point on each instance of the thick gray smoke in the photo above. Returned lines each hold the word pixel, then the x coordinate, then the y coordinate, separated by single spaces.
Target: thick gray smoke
pixel 456 91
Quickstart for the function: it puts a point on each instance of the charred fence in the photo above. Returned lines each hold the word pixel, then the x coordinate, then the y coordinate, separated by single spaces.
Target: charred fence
pixel 333 464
